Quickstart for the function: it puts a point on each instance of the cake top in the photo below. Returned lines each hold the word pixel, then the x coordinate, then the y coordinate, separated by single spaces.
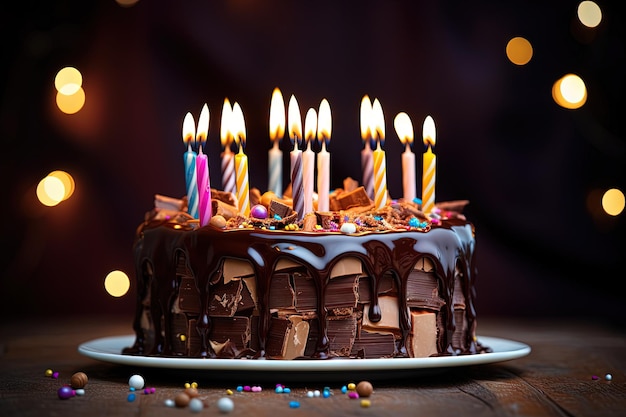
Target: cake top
pixel 352 212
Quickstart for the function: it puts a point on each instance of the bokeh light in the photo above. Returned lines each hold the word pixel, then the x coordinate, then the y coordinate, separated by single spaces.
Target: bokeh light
pixel 613 202
pixel 68 81
pixel 67 180
pixel 71 104
pixel 50 191
pixel 127 3
pixel 117 283
pixel 589 14
pixel 519 51
pixel 569 92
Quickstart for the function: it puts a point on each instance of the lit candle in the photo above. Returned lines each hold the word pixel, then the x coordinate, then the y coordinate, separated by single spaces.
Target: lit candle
pixel 308 160
pixel 202 169
pixel 324 127
pixel 189 159
pixel 404 129
pixel 367 163
pixel 275 155
pixel 241 161
pixel 430 166
pixel 295 156
pixel 380 166
pixel 226 137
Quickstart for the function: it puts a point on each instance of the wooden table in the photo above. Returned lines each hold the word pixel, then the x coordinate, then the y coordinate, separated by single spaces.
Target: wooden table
pixel 558 378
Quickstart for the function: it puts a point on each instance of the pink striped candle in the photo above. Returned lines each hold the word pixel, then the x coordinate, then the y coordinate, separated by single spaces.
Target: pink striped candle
pixel 189 159
pixel 205 208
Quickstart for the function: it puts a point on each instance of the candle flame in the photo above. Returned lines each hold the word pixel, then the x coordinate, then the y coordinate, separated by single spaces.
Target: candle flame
pixel 277 116
pixel 324 122
pixel 310 126
pixel 404 128
pixel 366 118
pixel 203 125
pixel 295 123
pixel 226 134
pixel 428 132
pixel 189 127
pixel 238 126
pixel 378 119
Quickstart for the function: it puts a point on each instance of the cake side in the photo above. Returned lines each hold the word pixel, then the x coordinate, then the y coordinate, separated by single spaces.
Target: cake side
pixel 247 290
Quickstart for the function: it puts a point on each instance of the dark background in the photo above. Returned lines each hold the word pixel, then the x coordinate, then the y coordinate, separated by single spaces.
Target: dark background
pixel 533 171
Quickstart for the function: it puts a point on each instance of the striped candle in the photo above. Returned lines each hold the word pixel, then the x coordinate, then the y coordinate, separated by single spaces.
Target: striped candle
pixel 205 207
pixel 189 159
pixel 430 166
pixel 367 163
pixel 227 162
pixel 241 162
pixel 380 166
pixel 295 134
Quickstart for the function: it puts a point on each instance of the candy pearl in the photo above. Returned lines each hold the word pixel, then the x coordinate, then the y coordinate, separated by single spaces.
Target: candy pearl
pixel 258 211
pixel 48 372
pixel 169 403
pixel 196 405
pixel 80 392
pixel 136 381
pixel 65 392
pixel 225 405
pixel 348 228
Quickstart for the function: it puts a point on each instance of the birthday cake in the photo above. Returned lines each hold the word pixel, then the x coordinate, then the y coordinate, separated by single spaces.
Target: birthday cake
pixel 350 282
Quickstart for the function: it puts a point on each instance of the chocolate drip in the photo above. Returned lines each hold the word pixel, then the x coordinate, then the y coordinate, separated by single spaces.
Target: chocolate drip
pixel 450 245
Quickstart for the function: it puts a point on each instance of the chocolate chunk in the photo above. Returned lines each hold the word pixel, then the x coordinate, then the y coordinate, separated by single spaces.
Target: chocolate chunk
pixel 188 296
pixel 371 345
pixel 356 198
pixel 341 333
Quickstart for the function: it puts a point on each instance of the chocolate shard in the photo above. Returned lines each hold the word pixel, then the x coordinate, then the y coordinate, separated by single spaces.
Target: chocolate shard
pixel 236 329
pixel 422 340
pixel 341 334
pixel 281 292
pixel 342 292
pixel 305 292
pixel 225 298
pixel 188 296
pixel 356 198
pixel 371 345
pixel 280 209
pixel 287 337
pixel 422 290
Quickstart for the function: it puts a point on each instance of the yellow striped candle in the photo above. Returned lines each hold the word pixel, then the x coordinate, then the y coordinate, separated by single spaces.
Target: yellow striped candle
pixel 241 162
pixel 380 166
pixel 367 164
pixel 429 167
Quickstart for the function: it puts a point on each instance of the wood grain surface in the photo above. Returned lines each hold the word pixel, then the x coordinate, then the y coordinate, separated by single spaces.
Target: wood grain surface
pixel 556 379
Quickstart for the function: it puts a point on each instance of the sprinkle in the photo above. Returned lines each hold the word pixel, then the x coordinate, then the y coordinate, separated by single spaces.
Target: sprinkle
pixel 229 392
pixel 417 200
pixel 277 217
pixel 326 393
pixel 365 403
pixel 65 392
pixel 55 375
pixel 344 389
pixel 351 386
pixel 196 405
pixel 353 395
pixel 169 403
pixel 608 377
pixel 239 388
pixel 309 394
pixel 413 222
pixel 131 397
pixel 286 390
pixel 279 389
pixel 256 388
pixel 80 392
pixel 187 385
pixel 48 372
pixel 294 404
pixel 225 405
pixel 247 388
pixel 594 377
pixel 194 385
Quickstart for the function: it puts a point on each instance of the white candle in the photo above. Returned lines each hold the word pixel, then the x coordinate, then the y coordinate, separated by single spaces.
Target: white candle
pixel 295 134
pixel 404 129
pixel 324 127
pixel 308 160
pixel 275 155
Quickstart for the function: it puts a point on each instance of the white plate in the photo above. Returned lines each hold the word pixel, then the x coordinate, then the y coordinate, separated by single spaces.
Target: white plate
pixel 108 349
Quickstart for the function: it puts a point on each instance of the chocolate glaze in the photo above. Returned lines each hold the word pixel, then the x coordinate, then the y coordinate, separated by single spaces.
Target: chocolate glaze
pixel 449 244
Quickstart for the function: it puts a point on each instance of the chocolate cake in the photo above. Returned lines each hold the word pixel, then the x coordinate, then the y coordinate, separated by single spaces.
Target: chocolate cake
pixel 353 282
